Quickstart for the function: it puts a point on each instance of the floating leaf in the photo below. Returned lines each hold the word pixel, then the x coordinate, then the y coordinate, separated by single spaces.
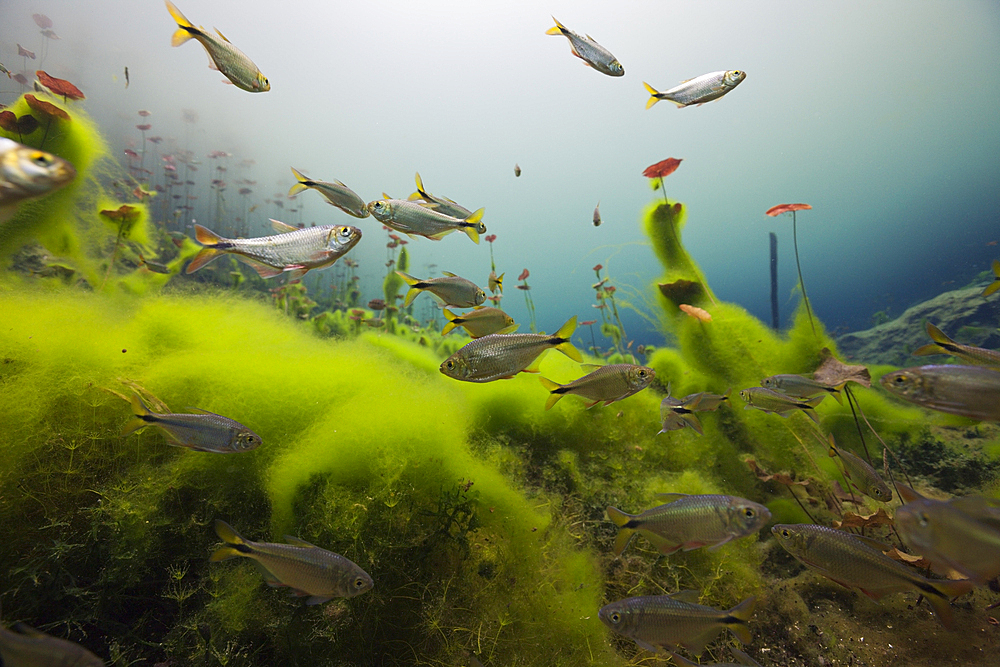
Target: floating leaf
pixel 50 34
pixel 45 108
pixel 786 208
pixel 662 169
pixel 20 79
pixel 833 372
pixel 8 121
pixel 851 520
pixel 143 127
pixel 144 113
pixel 27 124
pixel 60 86
pixel 42 21
pixel 780 478
pixel 681 291
pixel 21 51
pixel 524 275
pixel 126 213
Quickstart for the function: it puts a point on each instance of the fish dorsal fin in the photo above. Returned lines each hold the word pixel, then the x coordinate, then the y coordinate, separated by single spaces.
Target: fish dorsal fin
pixel 295 541
pixel 449 274
pixel 416 196
pixel 386 196
pixel 221 35
pixel 671 497
pixel 689 595
pixel 282 227
pixel 590 368
pixel 199 411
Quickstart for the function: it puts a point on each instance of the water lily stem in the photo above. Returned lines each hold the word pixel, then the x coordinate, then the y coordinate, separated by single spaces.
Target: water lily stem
pixel 802 285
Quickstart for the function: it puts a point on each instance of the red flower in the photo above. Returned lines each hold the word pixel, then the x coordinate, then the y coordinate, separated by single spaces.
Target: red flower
pixel 524 275
pixel 662 169
pixel 491 238
pixel 785 208
pixel 598 267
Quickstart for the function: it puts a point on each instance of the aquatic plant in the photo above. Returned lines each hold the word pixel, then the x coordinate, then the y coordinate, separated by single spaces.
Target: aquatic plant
pixel 785 208
pixel 529 303
pixel 661 170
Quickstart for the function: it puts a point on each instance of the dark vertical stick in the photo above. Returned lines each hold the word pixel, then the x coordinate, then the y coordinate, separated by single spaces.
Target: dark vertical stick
pixel 775 322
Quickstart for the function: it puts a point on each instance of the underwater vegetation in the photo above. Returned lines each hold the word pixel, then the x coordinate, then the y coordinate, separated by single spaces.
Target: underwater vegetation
pixel 479 515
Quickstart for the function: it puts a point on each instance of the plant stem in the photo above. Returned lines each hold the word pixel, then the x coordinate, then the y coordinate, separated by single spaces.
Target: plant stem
pixel 795 242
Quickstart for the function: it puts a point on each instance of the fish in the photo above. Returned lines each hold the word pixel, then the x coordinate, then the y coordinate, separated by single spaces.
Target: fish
pixel 969 391
pixel 993 286
pixel 442 204
pixel 962 534
pixel 126 77
pixel 415 219
pixel 517 167
pixel 705 401
pixel 856 562
pixel 310 571
pixel 945 345
pixel 862 475
pixel 603 383
pixel 589 51
pixel 655 622
pixel 230 61
pixel 767 400
pixel 451 289
pixel 155 267
pixel 690 522
pixel 676 413
pixel 799 386
pixel 480 322
pixel 293 250
pixel 502 356
pixel 597 215
pixel 496 282
pixel 4 70
pixel 26 173
pixel 698 90
pixel 744 660
pixel 202 432
pixel 336 194
pixel 23 646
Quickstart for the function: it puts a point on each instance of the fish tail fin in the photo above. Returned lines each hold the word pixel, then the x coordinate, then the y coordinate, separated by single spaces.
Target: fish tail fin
pixel 302 184
pixel 414 289
pixel 557 29
pixel 739 616
pixel 206 236
pixel 942 603
pixel 205 256
pixel 836 393
pixel 142 414
pixel 235 544
pixel 625 535
pixel 653 92
pixel 565 346
pixel 472 233
pixel 420 187
pixel 500 282
pixel 992 287
pixel 832 450
pixel 185 30
pixel 554 393
pixel 451 322
pixel 471 225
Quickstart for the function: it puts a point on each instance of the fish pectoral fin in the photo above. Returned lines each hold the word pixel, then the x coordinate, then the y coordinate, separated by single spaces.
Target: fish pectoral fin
pixel 296 275
pixel 299 542
pixel 217 32
pixel 698 643
pixel 440 235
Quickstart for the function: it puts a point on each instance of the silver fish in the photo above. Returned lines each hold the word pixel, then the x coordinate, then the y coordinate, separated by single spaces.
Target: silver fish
pixel 657 621
pixel 233 63
pixel 799 386
pixel 442 204
pixel 945 345
pixel 501 356
pixel 305 568
pixel 27 172
pixel 336 194
pixel 295 250
pixel 202 432
pixel 969 391
pixel 861 474
pixel 690 522
pixel 767 400
pixel 451 289
pixel 412 218
pixel 699 90
pixel 480 322
pixel 603 383
pixel 23 646
pixel 589 51
pixel 597 215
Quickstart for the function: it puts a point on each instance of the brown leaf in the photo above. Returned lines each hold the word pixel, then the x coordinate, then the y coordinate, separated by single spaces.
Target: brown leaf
pixel 916 561
pixel 682 291
pixel 45 108
pixel 786 208
pixel 123 212
pixel 834 372
pixel 780 478
pixel 846 496
pixel 27 124
pixel 851 520
pixel 663 168
pixel 8 121
pixel 59 86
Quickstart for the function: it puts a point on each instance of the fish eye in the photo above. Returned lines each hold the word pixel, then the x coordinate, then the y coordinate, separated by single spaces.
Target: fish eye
pixel 449 364
pixel 899 379
pixel 359 583
pixel 41 159
pixel 785 533
pixel 922 519
pixel 615 617
pixel 749 513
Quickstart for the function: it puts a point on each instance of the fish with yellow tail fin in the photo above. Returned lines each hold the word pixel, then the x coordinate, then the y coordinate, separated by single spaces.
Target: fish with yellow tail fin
pixel 496 282
pixel 308 570
pixel 480 322
pixel 502 356
pixel 698 90
pixel 293 250
pixel 230 61
pixel 945 345
pixel 656 622
pixel 858 562
pixel 690 522
pixel 23 646
pixel 202 432
pixel 336 194
pixel 768 400
pixel 799 386
pixel 862 475
pixel 452 290
pixel 589 51
pixel 443 204
pixel 422 219
pixel 604 383
pixel 995 285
